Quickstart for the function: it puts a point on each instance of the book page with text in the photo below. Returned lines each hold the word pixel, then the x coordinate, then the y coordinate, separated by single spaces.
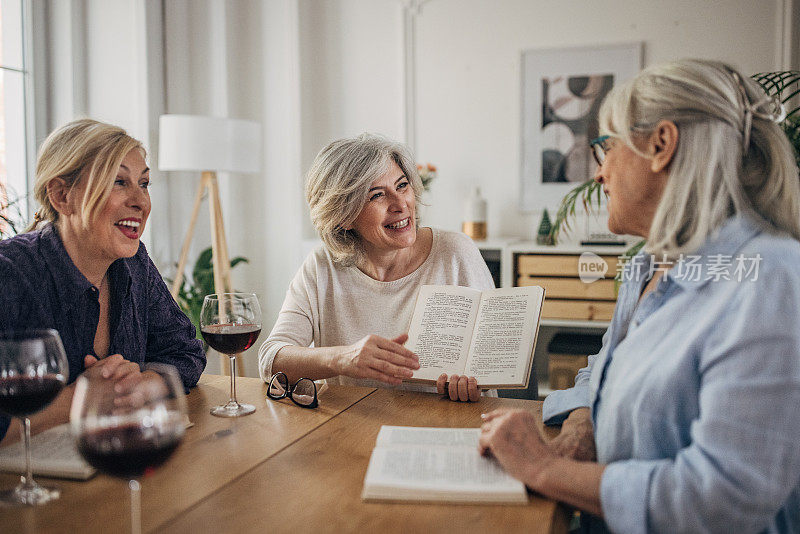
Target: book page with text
pixel 505 331
pixel 441 464
pixel 427 436
pixel 54 453
pixel 441 328
pixel 459 469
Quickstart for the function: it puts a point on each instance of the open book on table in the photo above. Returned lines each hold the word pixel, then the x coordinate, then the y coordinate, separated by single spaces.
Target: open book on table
pixel 436 464
pixel 490 335
pixel 53 454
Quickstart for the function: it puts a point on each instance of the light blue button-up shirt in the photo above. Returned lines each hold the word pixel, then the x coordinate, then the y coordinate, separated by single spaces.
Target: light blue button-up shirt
pixel 695 395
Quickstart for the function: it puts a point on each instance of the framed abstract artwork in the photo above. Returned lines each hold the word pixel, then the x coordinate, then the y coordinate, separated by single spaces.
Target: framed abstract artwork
pixel 562 90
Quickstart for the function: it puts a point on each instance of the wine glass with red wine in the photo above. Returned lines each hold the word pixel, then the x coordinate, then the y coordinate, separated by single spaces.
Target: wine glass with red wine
pixel 33 370
pixel 231 323
pixel 128 429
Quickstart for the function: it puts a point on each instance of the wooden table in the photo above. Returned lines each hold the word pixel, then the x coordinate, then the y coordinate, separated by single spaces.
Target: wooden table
pixel 283 469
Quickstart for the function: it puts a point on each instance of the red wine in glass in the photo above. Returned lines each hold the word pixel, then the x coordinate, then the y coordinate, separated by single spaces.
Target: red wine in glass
pixel 131 430
pixel 130 450
pixel 33 370
pixel 21 396
pixel 231 323
pixel 231 338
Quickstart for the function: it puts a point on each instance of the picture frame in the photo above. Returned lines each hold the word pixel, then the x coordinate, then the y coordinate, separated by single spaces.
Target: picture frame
pixel 561 94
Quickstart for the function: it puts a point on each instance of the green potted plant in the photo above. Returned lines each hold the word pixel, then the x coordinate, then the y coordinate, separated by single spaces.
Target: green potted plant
pixel 786 86
pixel 194 290
pixel 11 220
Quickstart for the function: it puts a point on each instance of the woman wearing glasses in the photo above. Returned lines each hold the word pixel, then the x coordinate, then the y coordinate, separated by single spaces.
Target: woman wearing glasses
pixel 353 297
pixel 81 269
pixel 694 396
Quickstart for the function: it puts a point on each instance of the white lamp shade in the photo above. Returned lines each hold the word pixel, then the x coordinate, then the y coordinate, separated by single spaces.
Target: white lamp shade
pixel 196 143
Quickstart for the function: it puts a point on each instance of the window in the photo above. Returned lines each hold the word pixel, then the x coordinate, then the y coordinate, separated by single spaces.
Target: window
pixel 15 126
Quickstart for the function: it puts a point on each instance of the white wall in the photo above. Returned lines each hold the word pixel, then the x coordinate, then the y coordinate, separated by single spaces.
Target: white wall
pixel 351 69
pixel 113 64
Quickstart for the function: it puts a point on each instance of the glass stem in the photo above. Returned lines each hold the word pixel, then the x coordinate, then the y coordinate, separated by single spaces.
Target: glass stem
pixel 136 507
pixel 233 379
pixel 27 481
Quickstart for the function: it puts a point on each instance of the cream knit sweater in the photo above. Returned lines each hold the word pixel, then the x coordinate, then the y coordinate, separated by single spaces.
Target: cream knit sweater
pixel 330 305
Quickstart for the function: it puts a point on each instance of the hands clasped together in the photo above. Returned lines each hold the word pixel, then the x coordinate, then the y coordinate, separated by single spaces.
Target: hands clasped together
pixel 389 361
pixel 133 386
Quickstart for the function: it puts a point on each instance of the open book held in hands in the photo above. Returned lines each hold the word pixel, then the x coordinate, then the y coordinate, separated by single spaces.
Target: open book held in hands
pixel 490 335
pixel 436 464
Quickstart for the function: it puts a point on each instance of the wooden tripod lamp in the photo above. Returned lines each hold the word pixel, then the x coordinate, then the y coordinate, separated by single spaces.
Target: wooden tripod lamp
pixel 209 145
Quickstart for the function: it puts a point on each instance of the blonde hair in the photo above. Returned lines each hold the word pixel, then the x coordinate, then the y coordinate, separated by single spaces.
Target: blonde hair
pixel 83 149
pixel 732 157
pixel 337 186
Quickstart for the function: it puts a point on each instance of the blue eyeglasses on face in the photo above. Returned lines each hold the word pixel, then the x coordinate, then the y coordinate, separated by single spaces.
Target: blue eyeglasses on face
pixel 599 148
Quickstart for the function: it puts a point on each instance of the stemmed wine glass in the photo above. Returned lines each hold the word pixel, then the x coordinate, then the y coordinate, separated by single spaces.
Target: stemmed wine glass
pixel 231 323
pixel 33 370
pixel 126 430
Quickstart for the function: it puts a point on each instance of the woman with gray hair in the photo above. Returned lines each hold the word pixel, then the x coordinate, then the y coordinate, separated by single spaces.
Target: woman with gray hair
pixel 692 402
pixel 354 296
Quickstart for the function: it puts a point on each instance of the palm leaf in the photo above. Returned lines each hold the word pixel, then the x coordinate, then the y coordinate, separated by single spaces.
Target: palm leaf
pixel 11 219
pixel 191 294
pixel 786 86
pixel 588 194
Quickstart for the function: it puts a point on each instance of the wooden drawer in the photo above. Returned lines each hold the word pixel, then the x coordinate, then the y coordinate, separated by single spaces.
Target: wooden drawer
pixel 557 265
pixel 562 368
pixel 566 296
pixel 571 288
pixel 582 310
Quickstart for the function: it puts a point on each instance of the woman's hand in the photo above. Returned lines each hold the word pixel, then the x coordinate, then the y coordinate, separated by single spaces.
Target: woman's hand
pixel 378 358
pixel 138 388
pixel 576 439
pixel 133 386
pixel 461 388
pixel 114 367
pixel 511 436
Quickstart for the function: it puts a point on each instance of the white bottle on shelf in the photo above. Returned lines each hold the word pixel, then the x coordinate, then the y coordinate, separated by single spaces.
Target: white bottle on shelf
pixel 474 224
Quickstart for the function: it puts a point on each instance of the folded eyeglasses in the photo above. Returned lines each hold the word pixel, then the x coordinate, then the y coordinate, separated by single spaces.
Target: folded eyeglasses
pixel 303 393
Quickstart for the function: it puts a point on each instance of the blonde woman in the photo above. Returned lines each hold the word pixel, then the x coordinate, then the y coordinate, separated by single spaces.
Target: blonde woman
pixel 354 296
pixel 82 270
pixel 694 396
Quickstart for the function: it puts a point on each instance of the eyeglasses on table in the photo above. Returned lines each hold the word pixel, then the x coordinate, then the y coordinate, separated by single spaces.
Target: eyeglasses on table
pixel 303 393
